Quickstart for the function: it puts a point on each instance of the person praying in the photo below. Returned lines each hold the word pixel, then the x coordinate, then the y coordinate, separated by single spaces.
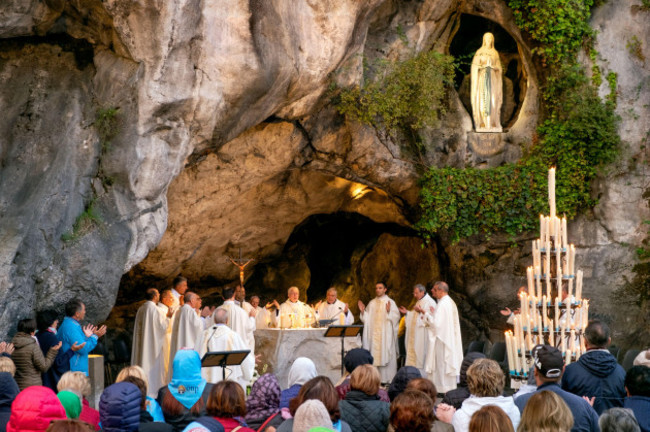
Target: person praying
pixel 381 321
pixel 293 313
pixel 334 309
pixel 418 337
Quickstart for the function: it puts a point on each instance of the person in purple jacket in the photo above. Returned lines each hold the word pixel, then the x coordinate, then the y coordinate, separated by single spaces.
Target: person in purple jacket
pixel 71 333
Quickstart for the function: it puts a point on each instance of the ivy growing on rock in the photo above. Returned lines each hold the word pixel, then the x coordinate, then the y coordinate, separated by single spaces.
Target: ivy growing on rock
pixel 578 135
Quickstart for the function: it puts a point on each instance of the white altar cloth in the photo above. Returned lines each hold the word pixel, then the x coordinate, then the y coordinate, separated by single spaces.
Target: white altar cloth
pixel 278 348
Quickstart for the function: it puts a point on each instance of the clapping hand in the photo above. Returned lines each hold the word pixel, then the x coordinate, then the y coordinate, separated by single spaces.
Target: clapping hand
pixel 431 309
pixel 445 412
pixel 9 349
pixel 387 306
pixel 403 310
pixel 590 400
pixel 362 307
pixel 418 309
pixel 89 330
pixel 76 347
pixel 276 304
pixel 100 331
pixel 253 313
pixel 506 311
pixel 346 310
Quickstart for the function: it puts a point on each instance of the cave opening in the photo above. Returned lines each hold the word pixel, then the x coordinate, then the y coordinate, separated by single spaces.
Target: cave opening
pixel 467 39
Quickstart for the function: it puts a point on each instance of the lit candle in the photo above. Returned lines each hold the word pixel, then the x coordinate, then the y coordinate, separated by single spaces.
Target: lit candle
pixel 511 356
pixel 568 357
pixel 547 264
pixel 551 190
pixel 585 315
pixel 557 310
pixel 579 285
pixel 572 260
pixel 558 263
pixel 570 288
pixel 544 316
pixel 565 243
pixel 522 306
pixel 538 281
pixel 531 283
pixel 551 335
pixel 542 226
pixel 572 342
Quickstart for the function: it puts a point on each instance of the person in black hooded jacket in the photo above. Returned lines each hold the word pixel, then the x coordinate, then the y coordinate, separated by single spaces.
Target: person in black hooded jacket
pixel 401 380
pixel 596 373
pixel 8 392
pixel 456 397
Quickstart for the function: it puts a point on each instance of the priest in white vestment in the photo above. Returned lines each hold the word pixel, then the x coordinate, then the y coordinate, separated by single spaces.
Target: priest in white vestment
pixel 148 340
pixel 333 308
pixel 263 317
pixel 418 338
pixel 166 307
pixel 239 321
pixel 293 313
pixel 445 355
pixel 381 322
pixel 187 326
pixel 179 288
pixel 219 337
pixel 240 298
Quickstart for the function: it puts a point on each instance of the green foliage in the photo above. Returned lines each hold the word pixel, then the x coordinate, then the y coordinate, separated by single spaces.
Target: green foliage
pixel 596 76
pixel 560 27
pixel 86 221
pixel 577 135
pixel 645 5
pixel 612 80
pixel 634 47
pixel 405 95
pixel 107 124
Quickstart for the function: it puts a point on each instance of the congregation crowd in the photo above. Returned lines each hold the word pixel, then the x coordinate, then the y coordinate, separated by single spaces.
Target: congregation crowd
pixel 44 386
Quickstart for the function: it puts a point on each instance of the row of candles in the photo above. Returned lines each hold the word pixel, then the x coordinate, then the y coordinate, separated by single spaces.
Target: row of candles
pixel 532 325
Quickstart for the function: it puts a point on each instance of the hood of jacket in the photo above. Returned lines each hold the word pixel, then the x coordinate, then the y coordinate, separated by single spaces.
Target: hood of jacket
pixel 8 389
pixel 119 408
pixel 474 404
pixel 599 363
pixel 21 340
pixel 467 362
pixel 33 410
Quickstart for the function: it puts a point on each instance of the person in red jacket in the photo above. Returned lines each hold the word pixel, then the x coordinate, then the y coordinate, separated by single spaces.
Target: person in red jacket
pixel 33 410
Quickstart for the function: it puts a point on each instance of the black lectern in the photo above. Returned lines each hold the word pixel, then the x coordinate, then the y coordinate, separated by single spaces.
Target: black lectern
pixel 223 359
pixel 343 331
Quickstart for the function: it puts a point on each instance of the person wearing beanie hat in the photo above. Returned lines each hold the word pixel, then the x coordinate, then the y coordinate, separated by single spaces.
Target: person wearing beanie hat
pixel 71 403
pixel 354 358
pixel 401 380
pixel 119 408
pixel 312 413
pixel 548 369
pixel 33 410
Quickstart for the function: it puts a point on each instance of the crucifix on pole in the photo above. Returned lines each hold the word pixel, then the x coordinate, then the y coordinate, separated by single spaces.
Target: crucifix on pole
pixel 241 264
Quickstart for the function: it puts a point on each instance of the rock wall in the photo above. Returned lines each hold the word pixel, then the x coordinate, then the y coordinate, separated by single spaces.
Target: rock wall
pixel 225 138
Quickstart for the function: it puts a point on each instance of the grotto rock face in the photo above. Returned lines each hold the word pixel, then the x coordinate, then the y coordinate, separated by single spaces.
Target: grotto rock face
pixel 157 138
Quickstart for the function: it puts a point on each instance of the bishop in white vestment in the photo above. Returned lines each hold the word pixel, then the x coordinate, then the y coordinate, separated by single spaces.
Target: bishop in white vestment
pixel 335 309
pixel 219 337
pixel 293 313
pixel 381 322
pixel 418 338
pixel 148 339
pixel 445 355
pixel 187 326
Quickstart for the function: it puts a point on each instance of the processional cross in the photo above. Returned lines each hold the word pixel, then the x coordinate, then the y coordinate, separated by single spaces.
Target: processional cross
pixel 241 264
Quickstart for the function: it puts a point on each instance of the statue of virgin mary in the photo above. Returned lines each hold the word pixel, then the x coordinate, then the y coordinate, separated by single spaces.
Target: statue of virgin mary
pixel 487 93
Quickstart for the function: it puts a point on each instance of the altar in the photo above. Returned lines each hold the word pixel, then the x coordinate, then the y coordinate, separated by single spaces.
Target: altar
pixel 280 347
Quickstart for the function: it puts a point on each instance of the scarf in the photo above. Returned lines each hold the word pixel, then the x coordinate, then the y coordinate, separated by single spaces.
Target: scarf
pixel 187 384
pixel 264 400
pixel 302 370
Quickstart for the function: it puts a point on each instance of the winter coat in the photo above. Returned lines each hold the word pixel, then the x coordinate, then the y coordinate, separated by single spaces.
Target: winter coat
pixel 640 405
pixel 33 410
pixel 343 389
pixel 148 425
pixel 457 396
pixel 119 407
pixel 596 373
pixel 70 332
pixel 585 418
pixel 89 414
pixel 8 392
pixel 287 426
pixel 364 413
pixel 61 365
pixel 29 360
pixel 460 420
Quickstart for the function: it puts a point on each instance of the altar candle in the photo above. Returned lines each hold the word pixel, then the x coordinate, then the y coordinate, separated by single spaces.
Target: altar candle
pixel 547 230
pixel 538 281
pixel 511 357
pixel 558 263
pixel 563 340
pixel 547 264
pixel 551 190
pixel 536 254
pixel 542 226
pixel 579 285
pixel 572 341
pixel 531 283
pixel 565 265
pixel 522 307
pixel 570 288
pixel 557 310
pixel 565 243
pixel 529 342
pixel 551 334
pixel 572 259
pixel 544 316
pixel 568 357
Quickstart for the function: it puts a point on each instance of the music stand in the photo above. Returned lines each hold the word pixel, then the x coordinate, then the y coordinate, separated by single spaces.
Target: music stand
pixel 223 359
pixel 343 331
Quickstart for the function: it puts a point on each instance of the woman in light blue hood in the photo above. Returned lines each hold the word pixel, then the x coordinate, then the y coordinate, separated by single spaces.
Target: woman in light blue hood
pixel 184 399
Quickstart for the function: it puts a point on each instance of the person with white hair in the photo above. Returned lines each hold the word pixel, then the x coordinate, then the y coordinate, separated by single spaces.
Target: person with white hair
pixel 334 309
pixel 293 313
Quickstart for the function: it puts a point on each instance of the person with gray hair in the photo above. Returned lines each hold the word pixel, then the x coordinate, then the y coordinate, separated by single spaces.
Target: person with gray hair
pixel 418 337
pixel 334 309
pixel 220 337
pixel 618 420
